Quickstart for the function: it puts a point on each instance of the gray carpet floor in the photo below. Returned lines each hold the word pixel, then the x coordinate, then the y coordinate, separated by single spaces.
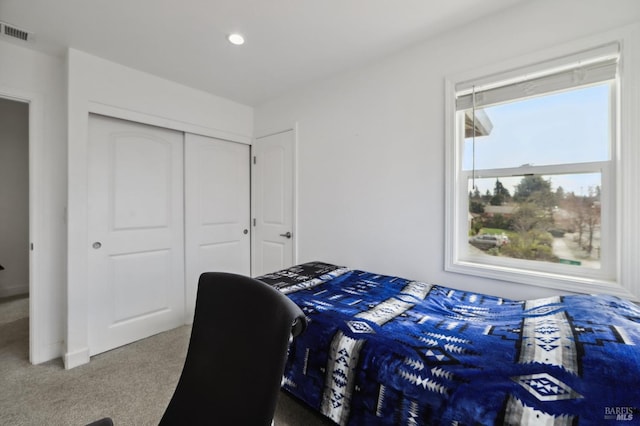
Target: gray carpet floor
pixel 131 384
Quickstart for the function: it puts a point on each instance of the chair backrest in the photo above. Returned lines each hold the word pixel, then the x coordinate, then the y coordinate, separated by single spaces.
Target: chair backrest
pixel 237 353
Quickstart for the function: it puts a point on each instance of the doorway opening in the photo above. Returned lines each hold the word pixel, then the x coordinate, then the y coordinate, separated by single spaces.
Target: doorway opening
pixel 14 226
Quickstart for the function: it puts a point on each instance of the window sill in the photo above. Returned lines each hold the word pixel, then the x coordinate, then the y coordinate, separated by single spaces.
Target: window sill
pixel 555 281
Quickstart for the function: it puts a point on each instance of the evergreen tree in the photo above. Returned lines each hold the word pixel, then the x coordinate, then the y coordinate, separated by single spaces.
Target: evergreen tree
pixel 530 185
pixel 501 190
pixel 537 190
pixel 500 194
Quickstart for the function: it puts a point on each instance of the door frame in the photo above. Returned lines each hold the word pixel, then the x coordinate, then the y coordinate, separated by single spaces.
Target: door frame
pixel 37 180
pixel 294 197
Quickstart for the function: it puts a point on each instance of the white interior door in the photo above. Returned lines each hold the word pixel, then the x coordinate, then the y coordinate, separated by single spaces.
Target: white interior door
pixel 273 186
pixel 217 208
pixel 136 231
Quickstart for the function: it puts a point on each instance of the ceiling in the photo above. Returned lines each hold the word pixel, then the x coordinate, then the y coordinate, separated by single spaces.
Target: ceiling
pixel 289 43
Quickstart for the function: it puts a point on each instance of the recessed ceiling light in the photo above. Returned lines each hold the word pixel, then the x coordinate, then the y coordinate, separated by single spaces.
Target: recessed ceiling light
pixel 236 39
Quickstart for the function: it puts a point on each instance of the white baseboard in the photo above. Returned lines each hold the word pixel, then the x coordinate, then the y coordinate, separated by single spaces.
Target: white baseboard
pixel 75 359
pixel 46 353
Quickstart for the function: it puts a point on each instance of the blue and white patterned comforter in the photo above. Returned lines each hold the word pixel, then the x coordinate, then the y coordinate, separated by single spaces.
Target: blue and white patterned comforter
pixel 387 350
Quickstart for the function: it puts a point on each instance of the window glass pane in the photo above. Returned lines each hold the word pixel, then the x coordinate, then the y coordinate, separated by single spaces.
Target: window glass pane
pixel 550 218
pixel 566 127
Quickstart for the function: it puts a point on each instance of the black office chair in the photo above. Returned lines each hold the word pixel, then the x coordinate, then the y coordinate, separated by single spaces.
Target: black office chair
pixel 238 348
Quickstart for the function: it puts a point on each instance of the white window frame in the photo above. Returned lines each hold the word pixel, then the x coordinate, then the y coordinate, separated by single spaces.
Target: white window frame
pixel 620 274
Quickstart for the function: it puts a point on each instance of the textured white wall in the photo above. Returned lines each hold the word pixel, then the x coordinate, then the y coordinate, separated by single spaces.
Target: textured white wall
pixel 371 142
pixel 14 197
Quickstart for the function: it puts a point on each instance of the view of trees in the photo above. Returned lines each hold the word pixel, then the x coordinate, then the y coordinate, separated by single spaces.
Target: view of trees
pixel 533 216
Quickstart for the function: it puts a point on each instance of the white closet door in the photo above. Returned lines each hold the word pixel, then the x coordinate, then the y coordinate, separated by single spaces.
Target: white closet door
pixel 136 231
pixel 217 209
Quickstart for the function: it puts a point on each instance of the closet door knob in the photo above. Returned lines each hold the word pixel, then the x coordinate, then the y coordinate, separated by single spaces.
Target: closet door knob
pixel 96 245
pixel 287 235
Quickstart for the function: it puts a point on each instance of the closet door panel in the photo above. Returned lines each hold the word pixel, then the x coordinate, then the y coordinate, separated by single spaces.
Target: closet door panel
pixel 217 209
pixel 136 232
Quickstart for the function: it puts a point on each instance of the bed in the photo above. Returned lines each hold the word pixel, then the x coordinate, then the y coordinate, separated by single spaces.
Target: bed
pixel 387 350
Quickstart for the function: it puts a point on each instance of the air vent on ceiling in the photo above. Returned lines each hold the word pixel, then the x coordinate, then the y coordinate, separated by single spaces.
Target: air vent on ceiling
pixel 14 33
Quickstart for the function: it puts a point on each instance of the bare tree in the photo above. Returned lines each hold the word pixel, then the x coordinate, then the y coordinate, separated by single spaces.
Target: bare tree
pixel 574 205
pixel 592 214
pixel 585 216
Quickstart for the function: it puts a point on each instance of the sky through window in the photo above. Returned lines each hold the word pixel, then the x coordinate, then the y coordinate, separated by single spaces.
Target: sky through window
pixel 566 127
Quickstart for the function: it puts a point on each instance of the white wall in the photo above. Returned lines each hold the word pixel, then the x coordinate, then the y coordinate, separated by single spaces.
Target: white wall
pixel 100 86
pixel 14 197
pixel 371 142
pixel 40 79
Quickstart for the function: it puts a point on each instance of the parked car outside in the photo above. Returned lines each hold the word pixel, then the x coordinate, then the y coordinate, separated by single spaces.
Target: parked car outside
pixel 488 241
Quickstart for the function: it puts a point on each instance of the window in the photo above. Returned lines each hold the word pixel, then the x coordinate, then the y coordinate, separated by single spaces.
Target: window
pixel 532 172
